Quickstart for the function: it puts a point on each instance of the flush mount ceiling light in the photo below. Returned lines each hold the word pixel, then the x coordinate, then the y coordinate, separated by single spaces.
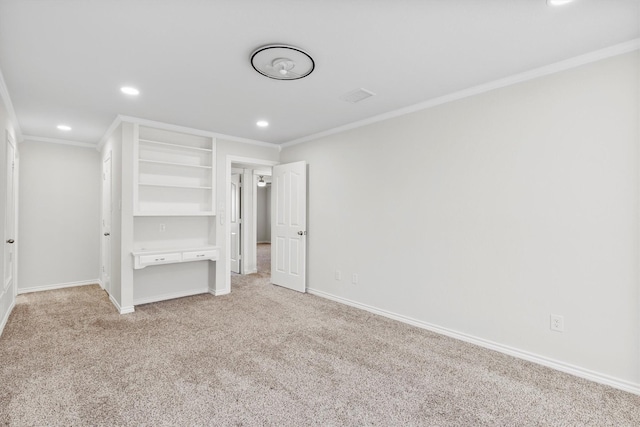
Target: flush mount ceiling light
pixel 64 128
pixel 558 2
pixel 261 182
pixel 262 123
pixel 282 62
pixel 128 90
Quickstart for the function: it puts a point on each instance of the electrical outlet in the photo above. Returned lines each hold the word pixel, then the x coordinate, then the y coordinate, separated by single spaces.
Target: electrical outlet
pixel 163 228
pixel 354 279
pixel 338 275
pixel 557 323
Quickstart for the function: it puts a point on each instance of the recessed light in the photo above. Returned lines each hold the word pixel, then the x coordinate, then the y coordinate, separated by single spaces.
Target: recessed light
pixel 262 123
pixel 64 127
pixel 558 2
pixel 130 90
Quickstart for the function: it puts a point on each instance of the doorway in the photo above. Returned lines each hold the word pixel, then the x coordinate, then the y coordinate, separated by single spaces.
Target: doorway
pixel 288 221
pixel 249 216
pixel 244 238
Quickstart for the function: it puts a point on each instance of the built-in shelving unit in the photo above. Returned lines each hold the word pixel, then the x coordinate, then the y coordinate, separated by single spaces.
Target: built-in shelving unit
pixel 174 246
pixel 174 173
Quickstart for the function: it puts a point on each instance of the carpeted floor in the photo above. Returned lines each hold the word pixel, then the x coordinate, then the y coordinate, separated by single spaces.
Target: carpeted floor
pixel 269 356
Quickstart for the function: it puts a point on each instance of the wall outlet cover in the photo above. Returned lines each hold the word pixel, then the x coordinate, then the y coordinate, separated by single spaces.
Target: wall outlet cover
pixel 557 323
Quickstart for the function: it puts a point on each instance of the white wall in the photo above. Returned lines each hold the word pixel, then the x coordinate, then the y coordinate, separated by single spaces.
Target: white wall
pixel 488 214
pixel 264 214
pixel 59 220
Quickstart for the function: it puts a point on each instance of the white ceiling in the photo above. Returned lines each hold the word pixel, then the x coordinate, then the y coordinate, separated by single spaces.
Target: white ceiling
pixel 64 61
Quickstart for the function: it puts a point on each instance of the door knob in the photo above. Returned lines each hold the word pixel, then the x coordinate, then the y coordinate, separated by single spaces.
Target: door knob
pixel 10 241
pixel 302 233
pixel 107 234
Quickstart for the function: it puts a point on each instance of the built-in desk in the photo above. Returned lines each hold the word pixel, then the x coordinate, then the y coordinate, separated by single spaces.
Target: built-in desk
pixel 145 258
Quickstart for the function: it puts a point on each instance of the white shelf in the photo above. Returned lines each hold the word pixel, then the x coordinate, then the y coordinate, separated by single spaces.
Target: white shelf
pixel 176 213
pixel 192 187
pixel 177 146
pixel 157 162
pixel 174 173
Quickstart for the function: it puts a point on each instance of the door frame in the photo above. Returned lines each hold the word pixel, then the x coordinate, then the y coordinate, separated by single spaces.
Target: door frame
pixel 239 219
pixel 223 211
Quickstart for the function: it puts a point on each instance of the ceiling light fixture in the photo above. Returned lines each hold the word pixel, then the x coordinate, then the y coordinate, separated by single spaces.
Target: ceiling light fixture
pixel 262 123
pixel 129 90
pixel 261 182
pixel 64 128
pixel 558 2
pixel 282 62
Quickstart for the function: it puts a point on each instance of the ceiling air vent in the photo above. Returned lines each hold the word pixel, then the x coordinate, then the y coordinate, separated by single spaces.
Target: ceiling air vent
pixel 357 95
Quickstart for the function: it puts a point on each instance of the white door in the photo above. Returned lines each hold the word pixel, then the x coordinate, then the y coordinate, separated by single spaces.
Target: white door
pixel 106 224
pixel 234 222
pixel 10 220
pixel 289 225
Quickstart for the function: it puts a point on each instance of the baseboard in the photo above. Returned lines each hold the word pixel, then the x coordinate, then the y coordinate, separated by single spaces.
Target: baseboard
pixel 99 281
pixel 491 345
pixel 219 292
pixel 57 286
pixel 172 295
pixel 266 241
pixel 121 310
pixel 5 319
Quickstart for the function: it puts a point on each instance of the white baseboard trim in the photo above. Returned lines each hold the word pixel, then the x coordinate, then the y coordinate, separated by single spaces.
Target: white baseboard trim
pixel 121 310
pixel 101 284
pixel 5 319
pixel 266 241
pixel 57 286
pixel 171 295
pixel 219 292
pixel 491 345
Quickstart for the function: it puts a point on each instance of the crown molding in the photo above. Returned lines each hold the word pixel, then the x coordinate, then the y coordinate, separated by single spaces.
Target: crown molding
pixel 116 122
pixel 184 129
pixel 58 141
pixel 4 94
pixel 557 67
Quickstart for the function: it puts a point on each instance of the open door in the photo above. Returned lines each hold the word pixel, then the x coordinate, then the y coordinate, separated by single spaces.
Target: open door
pixel 234 222
pixel 289 226
pixel 10 219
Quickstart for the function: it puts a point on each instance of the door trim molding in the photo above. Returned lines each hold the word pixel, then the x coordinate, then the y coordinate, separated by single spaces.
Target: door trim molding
pixel 222 224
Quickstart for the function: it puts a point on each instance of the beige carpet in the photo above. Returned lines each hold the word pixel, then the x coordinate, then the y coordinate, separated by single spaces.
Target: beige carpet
pixel 269 356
